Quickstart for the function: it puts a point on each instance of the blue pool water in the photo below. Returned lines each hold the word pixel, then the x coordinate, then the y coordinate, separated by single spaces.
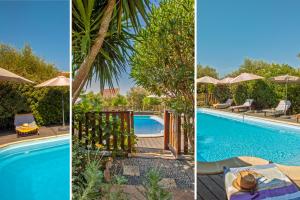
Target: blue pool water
pixel 35 171
pixel 147 124
pixel 221 137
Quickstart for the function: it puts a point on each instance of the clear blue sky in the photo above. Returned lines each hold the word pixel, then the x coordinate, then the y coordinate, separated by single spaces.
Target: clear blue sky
pixel 44 25
pixel 232 30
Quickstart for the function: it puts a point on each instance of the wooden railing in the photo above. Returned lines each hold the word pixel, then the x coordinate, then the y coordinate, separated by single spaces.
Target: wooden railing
pixel 111 129
pixel 173 133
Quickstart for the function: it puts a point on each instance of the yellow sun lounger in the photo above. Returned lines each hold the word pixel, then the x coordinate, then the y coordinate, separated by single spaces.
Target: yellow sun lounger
pixel 25 124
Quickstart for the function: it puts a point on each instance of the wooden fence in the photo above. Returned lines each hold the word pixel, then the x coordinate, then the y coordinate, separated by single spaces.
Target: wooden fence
pixel 106 128
pixel 173 133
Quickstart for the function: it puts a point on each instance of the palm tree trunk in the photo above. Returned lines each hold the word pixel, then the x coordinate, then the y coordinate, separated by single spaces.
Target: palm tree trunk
pixel 85 67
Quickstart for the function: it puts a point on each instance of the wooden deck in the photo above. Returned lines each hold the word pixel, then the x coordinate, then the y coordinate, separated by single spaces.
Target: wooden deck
pixel 10 136
pixel 211 187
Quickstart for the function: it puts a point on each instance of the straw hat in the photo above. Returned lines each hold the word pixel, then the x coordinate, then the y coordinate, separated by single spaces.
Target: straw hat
pixel 245 181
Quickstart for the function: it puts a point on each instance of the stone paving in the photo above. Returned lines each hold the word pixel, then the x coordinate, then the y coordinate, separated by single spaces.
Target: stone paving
pixel 177 175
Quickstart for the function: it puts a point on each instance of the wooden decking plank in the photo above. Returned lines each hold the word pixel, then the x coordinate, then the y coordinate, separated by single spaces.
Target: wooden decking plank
pixel 213 187
pixel 203 192
pixel 219 180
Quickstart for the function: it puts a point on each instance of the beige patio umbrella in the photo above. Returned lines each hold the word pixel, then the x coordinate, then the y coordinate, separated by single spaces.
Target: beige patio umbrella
pixel 225 81
pixel 59 81
pixel 207 80
pixel 6 75
pixel 245 77
pixel 286 79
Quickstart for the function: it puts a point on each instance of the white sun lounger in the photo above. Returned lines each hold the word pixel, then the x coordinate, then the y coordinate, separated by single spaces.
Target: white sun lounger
pixel 246 106
pixel 282 107
pixel 227 104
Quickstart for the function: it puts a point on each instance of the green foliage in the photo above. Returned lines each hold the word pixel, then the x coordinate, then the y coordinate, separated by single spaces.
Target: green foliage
pixel 164 59
pixel 265 93
pixel 150 102
pixel 114 54
pixel 206 71
pixel 153 190
pixel 135 97
pixel 89 102
pixel 88 176
pixel 44 103
pixel 119 100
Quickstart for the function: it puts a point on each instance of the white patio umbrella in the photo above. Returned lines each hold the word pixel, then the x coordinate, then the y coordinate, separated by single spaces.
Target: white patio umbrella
pixel 6 75
pixel 245 77
pixel 225 81
pixel 59 81
pixel 286 79
pixel 207 80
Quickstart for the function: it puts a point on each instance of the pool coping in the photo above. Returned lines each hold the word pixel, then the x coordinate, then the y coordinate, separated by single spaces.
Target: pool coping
pixel 156 118
pixel 250 117
pixel 33 140
pixel 211 168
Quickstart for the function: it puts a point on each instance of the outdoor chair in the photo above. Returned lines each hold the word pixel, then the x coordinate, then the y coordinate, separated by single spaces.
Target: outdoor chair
pixel 246 106
pixel 227 104
pixel 281 109
pixel 25 124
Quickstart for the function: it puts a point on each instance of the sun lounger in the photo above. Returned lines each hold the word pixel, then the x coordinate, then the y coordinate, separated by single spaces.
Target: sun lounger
pixel 282 107
pixel 271 184
pixel 25 124
pixel 227 104
pixel 246 106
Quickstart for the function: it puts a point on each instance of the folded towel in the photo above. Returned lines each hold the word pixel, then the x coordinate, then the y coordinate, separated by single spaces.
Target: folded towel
pixel 272 183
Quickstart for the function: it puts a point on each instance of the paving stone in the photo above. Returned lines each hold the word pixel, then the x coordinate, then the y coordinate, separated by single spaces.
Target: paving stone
pixel 131 170
pixel 167 183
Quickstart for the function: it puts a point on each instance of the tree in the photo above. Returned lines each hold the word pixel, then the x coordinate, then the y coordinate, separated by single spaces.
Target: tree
pixel 135 97
pixel 119 100
pixel 163 61
pixel 206 71
pixel 150 102
pixel 101 38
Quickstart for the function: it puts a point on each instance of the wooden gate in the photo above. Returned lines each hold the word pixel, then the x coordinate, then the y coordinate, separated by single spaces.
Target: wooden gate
pixel 174 133
pixel 109 128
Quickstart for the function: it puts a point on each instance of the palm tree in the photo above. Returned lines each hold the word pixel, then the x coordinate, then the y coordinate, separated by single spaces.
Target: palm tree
pixel 101 33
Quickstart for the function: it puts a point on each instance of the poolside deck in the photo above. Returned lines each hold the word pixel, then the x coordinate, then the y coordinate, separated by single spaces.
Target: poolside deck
pixel 211 187
pixel 10 136
pixel 289 119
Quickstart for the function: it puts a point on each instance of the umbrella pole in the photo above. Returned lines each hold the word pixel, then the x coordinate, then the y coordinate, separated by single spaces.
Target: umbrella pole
pixel 286 82
pixel 63 110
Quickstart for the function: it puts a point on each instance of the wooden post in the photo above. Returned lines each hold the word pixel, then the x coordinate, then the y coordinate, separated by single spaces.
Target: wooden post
pixel 122 130
pixel 107 133
pixel 100 128
pixel 80 130
pixel 93 118
pixel 178 134
pixel 166 130
pixel 86 128
pixel 128 129
pixel 185 137
pixel 131 130
pixel 114 131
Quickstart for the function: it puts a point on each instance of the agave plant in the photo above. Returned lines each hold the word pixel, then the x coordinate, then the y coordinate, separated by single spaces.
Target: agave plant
pixel 101 34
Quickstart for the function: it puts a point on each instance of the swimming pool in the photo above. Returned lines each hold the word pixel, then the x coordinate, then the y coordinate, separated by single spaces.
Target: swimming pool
pixel 148 126
pixel 223 135
pixel 36 170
